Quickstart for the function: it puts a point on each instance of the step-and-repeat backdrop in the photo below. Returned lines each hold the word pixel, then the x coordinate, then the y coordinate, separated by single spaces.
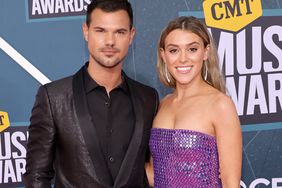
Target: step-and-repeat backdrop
pixel 42 40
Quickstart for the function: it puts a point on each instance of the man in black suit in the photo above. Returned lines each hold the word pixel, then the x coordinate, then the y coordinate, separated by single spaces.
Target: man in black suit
pixel 92 129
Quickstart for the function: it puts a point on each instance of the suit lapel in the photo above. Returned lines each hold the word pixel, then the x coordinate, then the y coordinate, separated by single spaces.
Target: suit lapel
pixel 133 148
pixel 88 129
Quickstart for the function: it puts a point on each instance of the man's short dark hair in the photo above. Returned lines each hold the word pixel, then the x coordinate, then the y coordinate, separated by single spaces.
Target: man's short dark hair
pixel 109 6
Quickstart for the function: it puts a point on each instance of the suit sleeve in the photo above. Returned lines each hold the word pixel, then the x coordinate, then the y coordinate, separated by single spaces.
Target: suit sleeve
pixel 41 141
pixel 157 102
pixel 156 106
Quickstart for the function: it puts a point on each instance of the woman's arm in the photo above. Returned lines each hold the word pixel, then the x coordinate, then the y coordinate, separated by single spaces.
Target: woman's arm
pixel 229 142
pixel 150 172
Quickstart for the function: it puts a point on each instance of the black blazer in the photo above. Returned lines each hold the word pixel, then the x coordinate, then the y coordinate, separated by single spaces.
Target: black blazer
pixel 63 141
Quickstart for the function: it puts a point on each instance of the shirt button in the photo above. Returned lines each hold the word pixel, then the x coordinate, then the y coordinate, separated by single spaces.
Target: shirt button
pixel 111 159
pixel 111 131
pixel 107 104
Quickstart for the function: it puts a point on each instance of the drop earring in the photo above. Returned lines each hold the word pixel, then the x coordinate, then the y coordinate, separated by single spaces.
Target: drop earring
pixel 206 71
pixel 166 74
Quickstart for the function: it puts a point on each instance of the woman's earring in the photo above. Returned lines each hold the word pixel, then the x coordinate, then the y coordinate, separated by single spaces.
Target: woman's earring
pixel 166 74
pixel 206 71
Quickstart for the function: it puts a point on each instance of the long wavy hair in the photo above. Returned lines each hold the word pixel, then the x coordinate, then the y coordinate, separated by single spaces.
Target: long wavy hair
pixel 194 25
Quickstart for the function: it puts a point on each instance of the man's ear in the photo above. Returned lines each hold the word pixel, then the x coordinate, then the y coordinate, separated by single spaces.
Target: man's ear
pixel 85 31
pixel 132 34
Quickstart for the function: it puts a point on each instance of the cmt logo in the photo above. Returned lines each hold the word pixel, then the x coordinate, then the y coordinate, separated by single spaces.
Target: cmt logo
pixel 4 121
pixel 231 15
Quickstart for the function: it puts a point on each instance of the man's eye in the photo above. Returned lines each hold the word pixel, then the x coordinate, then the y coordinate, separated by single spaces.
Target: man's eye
pixel 121 32
pixel 99 30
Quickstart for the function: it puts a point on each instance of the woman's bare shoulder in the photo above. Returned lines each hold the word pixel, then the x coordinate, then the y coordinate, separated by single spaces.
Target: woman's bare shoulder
pixel 223 101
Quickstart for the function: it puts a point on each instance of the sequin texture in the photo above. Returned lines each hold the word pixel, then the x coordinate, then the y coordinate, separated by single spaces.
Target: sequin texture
pixel 184 158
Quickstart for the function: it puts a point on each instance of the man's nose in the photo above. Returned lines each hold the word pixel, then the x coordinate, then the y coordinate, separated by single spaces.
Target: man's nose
pixel 110 39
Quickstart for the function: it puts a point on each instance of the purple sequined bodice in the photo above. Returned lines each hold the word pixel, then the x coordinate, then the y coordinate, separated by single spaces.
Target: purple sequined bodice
pixel 184 159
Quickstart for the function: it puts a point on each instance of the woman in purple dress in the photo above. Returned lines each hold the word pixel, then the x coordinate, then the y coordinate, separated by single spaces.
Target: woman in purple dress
pixel 196 133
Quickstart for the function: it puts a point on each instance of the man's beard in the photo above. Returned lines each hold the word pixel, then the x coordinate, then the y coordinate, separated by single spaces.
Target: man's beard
pixel 103 61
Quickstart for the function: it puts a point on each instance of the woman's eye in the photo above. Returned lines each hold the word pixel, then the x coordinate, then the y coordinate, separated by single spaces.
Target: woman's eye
pixel 192 49
pixel 173 50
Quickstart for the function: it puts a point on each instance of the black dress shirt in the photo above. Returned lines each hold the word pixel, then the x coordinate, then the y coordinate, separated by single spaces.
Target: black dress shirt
pixel 114 119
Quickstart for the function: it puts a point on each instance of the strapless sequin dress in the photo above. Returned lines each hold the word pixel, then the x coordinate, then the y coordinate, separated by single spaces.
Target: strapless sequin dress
pixel 184 159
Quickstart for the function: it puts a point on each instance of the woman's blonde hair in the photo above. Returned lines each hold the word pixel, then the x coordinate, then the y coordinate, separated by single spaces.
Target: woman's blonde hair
pixel 214 76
